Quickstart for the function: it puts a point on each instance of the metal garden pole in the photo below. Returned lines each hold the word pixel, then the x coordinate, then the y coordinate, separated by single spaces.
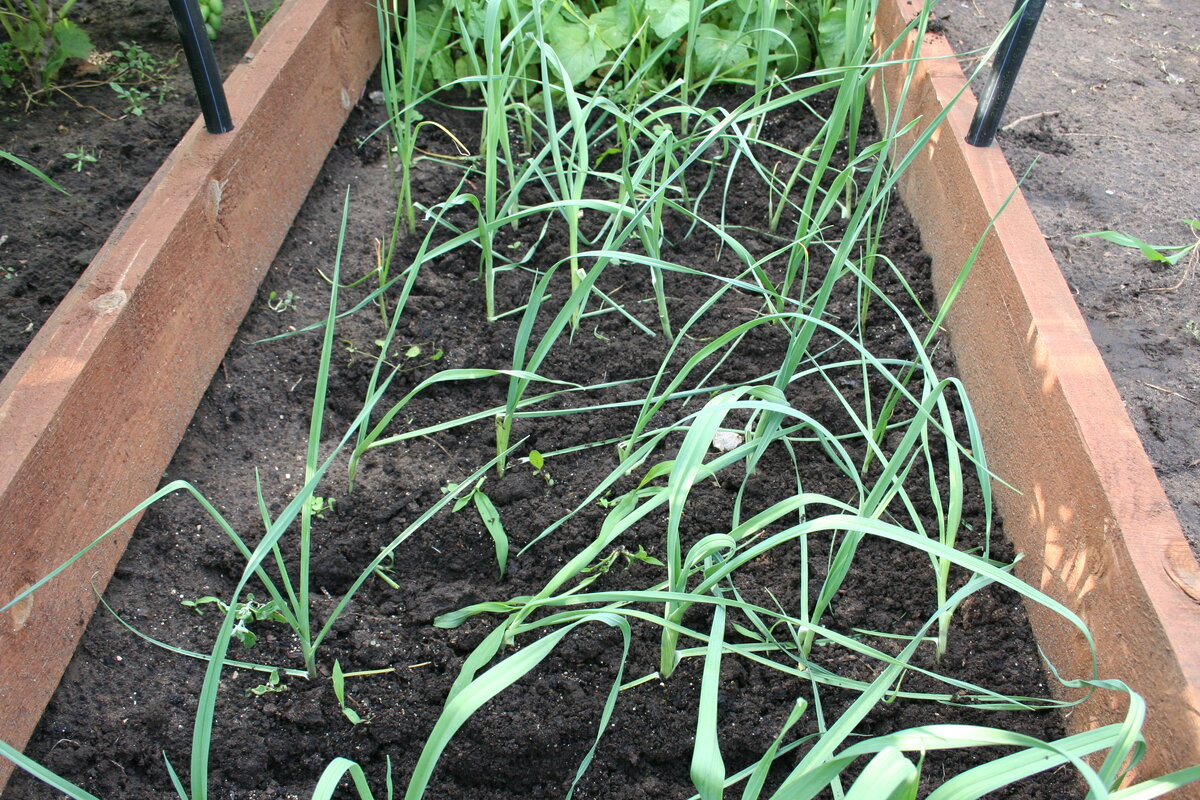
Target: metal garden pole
pixel 203 66
pixel 1004 72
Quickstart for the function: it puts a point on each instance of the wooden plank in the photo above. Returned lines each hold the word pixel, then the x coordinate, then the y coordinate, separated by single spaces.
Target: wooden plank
pixel 1091 518
pixel 91 413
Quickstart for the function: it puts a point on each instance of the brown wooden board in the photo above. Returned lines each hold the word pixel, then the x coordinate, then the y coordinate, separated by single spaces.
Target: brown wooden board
pixel 93 410
pixel 1089 514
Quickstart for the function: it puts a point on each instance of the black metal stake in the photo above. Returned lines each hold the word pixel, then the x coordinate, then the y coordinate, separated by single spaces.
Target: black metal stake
pixel 203 66
pixel 1004 73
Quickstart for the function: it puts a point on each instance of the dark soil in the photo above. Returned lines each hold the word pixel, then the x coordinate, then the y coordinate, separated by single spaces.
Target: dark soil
pixel 47 239
pixel 124 701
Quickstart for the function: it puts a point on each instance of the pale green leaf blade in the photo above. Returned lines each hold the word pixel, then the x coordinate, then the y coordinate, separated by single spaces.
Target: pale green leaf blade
pixel 491 521
pixel 667 17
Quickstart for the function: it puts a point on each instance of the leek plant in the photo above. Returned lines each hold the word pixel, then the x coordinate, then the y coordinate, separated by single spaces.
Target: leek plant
pixel 571 173
pixel 421 38
pixel 32 170
pixel 494 133
pixel 581 66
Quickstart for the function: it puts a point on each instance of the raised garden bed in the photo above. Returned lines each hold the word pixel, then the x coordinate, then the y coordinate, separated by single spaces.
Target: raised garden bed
pixel 526 496
pixel 131 349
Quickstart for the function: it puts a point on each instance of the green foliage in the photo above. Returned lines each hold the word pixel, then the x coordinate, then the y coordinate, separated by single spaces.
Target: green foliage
pixel 647 43
pixel 339 691
pixel 136 75
pixel 80 157
pixel 273 685
pixel 133 97
pixel 132 63
pixel 320 506
pixel 244 612
pixel 32 55
pixel 280 303
pixel 39 40
pixel 488 514
pixel 1164 254
pixel 565 79
pixel 11 65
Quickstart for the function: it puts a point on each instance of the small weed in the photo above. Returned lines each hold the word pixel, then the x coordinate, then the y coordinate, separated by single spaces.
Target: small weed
pixel 273 684
pixel 11 66
pixel 604 565
pixel 244 613
pixel 320 506
pixel 134 97
pixel 131 64
pixel 411 353
pixel 416 350
pixel 538 462
pixel 384 571
pixel 254 24
pixel 1170 254
pixel 338 678
pixel 281 303
pixel 1192 328
pixel 133 59
pixel 80 157
pixel 488 514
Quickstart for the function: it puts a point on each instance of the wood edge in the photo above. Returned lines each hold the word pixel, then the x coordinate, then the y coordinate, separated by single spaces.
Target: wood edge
pixel 1099 533
pixel 127 356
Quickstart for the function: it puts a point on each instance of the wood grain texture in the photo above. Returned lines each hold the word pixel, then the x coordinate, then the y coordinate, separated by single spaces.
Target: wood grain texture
pixel 1090 516
pixel 91 413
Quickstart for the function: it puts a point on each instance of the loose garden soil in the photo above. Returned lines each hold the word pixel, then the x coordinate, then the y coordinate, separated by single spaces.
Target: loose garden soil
pixel 1103 122
pixel 123 701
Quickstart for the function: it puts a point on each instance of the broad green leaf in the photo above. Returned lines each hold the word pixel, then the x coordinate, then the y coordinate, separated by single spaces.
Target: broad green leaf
pixel 429 37
pixel 780 32
pixel 26 38
pixel 777 32
pixel 831 37
pixel 721 51
pixel 472 16
pixel 463 68
pixel 614 25
pixel 442 68
pixel 667 17
pixel 72 41
pixel 580 50
pixel 795 55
